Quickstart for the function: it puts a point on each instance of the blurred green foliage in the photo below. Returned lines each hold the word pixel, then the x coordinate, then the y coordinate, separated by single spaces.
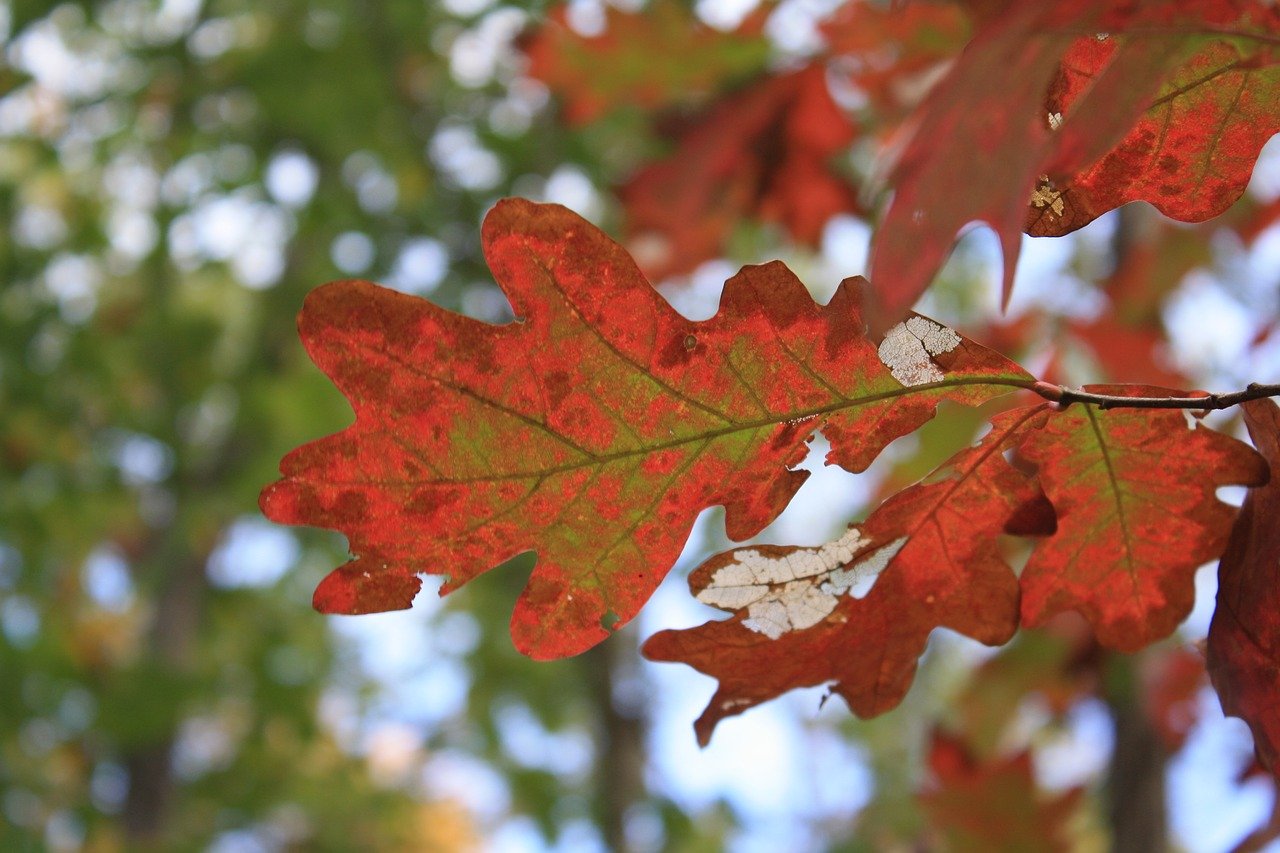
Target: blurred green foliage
pixel 174 177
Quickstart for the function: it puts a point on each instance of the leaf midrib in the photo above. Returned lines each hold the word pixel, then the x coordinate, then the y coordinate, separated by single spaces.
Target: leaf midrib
pixel 592 459
pixel 1117 493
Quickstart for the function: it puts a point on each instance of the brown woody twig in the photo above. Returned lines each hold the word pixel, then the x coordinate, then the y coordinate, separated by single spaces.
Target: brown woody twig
pixel 1200 400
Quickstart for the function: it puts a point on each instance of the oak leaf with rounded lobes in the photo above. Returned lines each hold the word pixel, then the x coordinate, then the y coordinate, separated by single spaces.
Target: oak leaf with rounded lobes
pixel 593 429
pixel 1134 491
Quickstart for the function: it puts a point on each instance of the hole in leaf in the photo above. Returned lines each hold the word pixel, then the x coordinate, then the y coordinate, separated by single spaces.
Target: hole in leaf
pixel 1233 495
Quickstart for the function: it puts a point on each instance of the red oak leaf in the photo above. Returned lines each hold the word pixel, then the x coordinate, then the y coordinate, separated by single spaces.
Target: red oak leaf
pixel 1244 637
pixel 659 57
pixel 931 552
pixel 1137 513
pixel 984 140
pixel 765 152
pixel 592 429
pixel 1192 151
pixel 994 804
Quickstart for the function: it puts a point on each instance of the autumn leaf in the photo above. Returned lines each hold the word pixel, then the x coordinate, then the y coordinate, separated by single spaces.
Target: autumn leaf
pixel 1192 150
pixel 994 804
pixel 1244 637
pixel 595 427
pixel 661 56
pixel 1137 513
pixel 804 616
pixel 764 152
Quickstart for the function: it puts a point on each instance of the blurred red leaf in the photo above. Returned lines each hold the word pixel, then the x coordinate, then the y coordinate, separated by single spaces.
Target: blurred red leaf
pixel 594 428
pixel 657 57
pixel 994 804
pixel 1244 638
pixel 1137 513
pixel 1130 342
pixel 763 152
pixel 1056 666
pixel 1128 352
pixel 934 548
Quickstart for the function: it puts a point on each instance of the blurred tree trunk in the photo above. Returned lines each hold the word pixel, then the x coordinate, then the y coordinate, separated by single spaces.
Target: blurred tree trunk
pixel 173 646
pixel 1136 809
pixel 1136 777
pixel 167 561
pixel 614 670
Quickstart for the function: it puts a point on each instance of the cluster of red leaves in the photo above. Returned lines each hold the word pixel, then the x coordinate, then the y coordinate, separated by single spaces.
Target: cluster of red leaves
pixel 1078 105
pixel 764 153
pixel 595 427
pixel 632 419
pixel 993 803
pixel 1167 102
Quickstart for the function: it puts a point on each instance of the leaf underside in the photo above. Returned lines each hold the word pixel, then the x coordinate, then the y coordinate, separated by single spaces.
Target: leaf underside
pixel 947 571
pixel 1244 637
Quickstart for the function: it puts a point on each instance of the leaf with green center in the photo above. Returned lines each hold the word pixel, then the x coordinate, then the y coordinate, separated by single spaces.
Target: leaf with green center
pixel 1137 513
pixel 594 428
pixel 1244 638
pixel 805 617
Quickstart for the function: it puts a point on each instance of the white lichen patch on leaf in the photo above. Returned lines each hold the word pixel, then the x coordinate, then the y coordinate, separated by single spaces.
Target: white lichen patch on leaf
pixel 908 350
pixel 799 589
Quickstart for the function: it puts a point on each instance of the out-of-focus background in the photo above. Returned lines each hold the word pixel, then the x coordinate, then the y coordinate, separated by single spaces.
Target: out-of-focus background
pixel 175 176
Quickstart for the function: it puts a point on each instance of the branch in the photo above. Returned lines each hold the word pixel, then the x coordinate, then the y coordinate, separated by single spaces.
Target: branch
pixel 1202 401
